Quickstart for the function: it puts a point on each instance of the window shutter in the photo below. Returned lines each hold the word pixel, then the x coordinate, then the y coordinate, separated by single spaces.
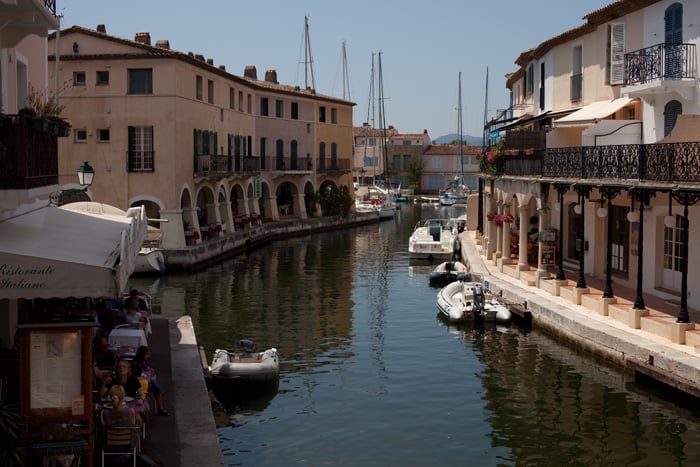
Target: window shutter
pixel 671 111
pixel 617 53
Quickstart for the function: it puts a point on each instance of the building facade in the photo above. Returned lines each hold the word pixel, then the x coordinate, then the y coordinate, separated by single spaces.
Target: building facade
pixel 601 150
pixel 204 150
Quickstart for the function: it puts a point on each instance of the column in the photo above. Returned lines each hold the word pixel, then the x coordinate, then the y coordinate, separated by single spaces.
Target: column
pixel 174 229
pixel 522 238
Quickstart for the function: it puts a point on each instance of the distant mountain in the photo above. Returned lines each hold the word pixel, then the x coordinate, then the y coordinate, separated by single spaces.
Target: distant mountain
pixel 447 139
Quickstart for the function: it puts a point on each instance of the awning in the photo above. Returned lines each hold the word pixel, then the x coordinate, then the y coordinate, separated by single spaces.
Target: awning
pixel 591 113
pixel 57 252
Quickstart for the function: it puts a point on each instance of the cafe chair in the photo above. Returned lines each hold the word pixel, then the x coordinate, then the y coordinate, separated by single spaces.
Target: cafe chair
pixel 121 441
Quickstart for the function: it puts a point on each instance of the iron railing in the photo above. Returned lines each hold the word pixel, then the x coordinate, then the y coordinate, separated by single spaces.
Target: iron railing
pixel 661 61
pixel 659 162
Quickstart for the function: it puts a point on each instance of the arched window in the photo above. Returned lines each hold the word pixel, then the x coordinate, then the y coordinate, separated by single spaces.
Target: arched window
pixel 672 110
pixel 293 149
pixel 322 156
pixel 334 156
pixel 279 154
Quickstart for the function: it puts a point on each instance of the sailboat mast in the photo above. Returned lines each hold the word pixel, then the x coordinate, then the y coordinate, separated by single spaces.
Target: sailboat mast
pixel 346 76
pixel 308 59
pixel 370 117
pixel 382 121
pixel 459 130
pixel 486 104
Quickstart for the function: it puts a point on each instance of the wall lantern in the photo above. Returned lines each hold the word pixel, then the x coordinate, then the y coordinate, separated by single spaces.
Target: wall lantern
pixel 85 174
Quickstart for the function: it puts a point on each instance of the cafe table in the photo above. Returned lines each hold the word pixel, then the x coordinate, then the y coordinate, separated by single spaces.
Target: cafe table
pixel 127 337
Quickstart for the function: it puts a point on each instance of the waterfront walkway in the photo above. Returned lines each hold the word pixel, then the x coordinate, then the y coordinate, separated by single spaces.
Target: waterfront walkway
pixel 649 343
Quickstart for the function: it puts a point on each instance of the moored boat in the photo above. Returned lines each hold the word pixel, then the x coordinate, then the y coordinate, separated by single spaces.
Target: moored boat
pixel 434 239
pixel 466 301
pixel 244 365
pixel 448 271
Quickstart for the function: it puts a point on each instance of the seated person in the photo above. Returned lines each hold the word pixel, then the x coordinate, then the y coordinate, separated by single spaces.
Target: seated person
pixel 141 366
pixel 134 315
pixel 105 359
pixel 123 378
pixel 119 415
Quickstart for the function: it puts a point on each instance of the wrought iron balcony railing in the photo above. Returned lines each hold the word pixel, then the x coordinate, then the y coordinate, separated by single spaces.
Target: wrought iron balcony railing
pixel 660 162
pixel 207 164
pixel 330 164
pixel 28 155
pixel 661 61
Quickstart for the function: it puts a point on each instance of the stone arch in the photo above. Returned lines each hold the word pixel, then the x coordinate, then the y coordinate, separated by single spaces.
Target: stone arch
pixel 285 196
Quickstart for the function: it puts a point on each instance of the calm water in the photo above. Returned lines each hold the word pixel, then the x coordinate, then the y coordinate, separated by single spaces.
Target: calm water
pixel 370 376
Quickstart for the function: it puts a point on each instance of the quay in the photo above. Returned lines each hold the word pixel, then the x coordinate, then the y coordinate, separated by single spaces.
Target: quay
pixel 189 435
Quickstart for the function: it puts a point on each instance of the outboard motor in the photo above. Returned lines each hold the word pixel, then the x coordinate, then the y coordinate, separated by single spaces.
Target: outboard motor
pixel 478 301
pixel 246 345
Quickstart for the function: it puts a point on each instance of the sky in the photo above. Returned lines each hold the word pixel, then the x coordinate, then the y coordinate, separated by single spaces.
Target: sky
pixel 425 46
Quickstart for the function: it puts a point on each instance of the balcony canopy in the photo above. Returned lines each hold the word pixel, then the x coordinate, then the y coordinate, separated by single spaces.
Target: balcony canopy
pixel 591 113
pixel 54 252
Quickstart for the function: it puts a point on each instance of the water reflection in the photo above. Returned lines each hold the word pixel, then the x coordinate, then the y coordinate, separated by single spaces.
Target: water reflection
pixel 369 375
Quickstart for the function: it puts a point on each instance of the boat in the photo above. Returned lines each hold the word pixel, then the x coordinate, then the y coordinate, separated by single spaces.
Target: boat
pixel 457 192
pixel 434 239
pixel 245 365
pixel 151 258
pixel 369 198
pixel 466 301
pixel 448 271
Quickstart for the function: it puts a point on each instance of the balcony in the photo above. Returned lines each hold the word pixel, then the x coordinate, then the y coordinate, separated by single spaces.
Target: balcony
pixel 659 162
pixel 331 164
pixel 225 165
pixel 672 66
pixel 28 154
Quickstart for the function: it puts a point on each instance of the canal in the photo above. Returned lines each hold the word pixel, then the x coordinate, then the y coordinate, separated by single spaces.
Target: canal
pixel 370 376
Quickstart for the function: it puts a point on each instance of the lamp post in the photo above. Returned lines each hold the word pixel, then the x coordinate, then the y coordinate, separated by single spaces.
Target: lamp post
pixel 85 175
pixel 608 193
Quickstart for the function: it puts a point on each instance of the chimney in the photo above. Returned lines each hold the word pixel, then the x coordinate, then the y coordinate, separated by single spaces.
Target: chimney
pixel 250 72
pixel 199 57
pixel 210 61
pixel 143 37
pixel 222 67
pixel 163 44
pixel 101 28
pixel 271 76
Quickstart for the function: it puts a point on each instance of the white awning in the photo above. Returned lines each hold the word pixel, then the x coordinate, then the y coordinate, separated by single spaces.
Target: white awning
pixel 55 252
pixel 591 113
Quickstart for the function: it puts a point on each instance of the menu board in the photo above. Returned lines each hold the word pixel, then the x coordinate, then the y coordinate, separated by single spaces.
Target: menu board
pixel 55 368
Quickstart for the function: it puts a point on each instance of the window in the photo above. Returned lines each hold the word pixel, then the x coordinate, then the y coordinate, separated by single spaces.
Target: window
pixel 250 104
pixel 541 86
pixel 263 147
pixel 334 115
pixel 80 136
pixel 231 98
pixel 372 142
pixel 436 162
pixel 295 111
pixel 240 101
pixel 140 81
pixel 102 78
pixel 322 114
pixel 264 111
pixel 617 52
pixel 279 109
pixel 577 73
pixel 140 149
pixel 671 112
pixel 103 135
pixel 673 244
pixel 78 78
pixel 531 78
pixel 396 162
pixel 210 91
pixel 198 88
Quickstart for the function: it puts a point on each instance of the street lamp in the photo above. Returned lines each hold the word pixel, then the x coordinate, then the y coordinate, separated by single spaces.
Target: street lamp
pixel 85 174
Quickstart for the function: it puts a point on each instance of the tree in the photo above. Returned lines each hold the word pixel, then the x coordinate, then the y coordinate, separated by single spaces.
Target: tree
pixel 415 171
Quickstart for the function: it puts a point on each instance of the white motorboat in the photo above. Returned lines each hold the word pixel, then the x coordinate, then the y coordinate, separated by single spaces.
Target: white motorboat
pixel 448 271
pixel 452 196
pixel 246 365
pixel 466 301
pixel 434 239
